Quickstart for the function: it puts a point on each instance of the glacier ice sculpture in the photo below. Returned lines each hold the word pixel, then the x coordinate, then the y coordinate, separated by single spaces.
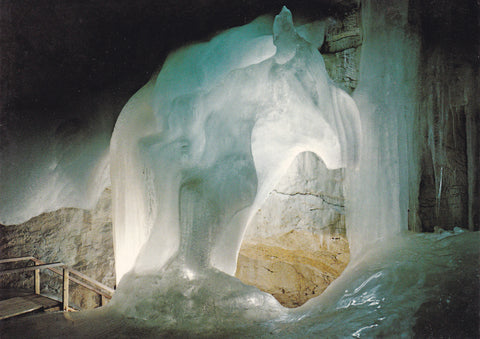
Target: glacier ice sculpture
pixel 196 151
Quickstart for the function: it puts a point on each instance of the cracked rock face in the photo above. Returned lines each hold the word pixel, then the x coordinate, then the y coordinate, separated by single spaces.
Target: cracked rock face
pixel 296 244
pixel 341 50
pixel 309 197
pixel 295 266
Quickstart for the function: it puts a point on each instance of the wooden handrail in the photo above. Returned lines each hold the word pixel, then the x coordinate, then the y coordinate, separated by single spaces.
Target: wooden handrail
pixel 109 290
pixel 32 268
pixel 103 290
pixel 84 277
pixel 3 261
pixel 81 283
pixel 92 281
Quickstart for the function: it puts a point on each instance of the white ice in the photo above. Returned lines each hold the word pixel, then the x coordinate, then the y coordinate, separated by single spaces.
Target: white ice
pixel 197 150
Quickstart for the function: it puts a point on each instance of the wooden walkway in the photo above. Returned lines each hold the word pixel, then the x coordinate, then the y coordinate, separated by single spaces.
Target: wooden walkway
pixel 22 303
pixel 27 304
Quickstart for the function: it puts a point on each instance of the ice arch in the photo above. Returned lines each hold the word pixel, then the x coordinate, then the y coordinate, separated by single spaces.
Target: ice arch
pixel 196 150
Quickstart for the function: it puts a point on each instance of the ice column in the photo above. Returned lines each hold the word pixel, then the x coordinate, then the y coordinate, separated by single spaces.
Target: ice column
pixel 379 191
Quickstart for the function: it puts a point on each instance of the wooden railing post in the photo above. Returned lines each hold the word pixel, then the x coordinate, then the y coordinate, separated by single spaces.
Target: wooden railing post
pixel 104 291
pixel 103 300
pixel 65 288
pixel 37 280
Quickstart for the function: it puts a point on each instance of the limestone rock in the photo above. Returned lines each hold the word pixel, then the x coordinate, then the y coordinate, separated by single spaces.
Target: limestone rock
pixel 308 197
pixel 341 50
pixel 295 245
pixel 343 66
pixel 294 267
pixel 79 238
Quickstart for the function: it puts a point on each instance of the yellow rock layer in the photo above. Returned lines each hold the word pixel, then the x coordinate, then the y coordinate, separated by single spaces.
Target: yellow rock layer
pixel 294 267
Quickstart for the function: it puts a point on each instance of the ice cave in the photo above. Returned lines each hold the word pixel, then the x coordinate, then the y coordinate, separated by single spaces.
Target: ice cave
pixel 295 169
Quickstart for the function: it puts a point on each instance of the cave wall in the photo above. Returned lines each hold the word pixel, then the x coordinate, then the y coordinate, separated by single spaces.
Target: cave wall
pixel 448 114
pixel 296 244
pixel 81 239
pixel 341 49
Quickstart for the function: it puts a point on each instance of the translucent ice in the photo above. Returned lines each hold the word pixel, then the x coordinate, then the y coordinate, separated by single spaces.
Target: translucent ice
pixel 382 190
pixel 196 151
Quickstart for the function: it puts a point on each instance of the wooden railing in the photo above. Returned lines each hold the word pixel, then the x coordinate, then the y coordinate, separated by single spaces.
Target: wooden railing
pixel 68 274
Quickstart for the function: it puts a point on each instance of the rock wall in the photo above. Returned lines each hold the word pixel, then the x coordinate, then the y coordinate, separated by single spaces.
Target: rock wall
pixel 296 244
pixel 79 238
pixel 341 50
pixel 309 197
pixel 449 115
pixel 295 266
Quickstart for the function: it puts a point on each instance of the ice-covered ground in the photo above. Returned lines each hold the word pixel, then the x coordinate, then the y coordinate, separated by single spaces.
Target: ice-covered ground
pixel 424 285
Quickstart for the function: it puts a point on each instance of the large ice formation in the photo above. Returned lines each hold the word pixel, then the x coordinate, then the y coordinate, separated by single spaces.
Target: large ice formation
pixel 197 150
pixel 386 97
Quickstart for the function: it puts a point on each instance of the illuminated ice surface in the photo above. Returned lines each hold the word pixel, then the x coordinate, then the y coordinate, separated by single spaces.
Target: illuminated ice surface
pixel 195 152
